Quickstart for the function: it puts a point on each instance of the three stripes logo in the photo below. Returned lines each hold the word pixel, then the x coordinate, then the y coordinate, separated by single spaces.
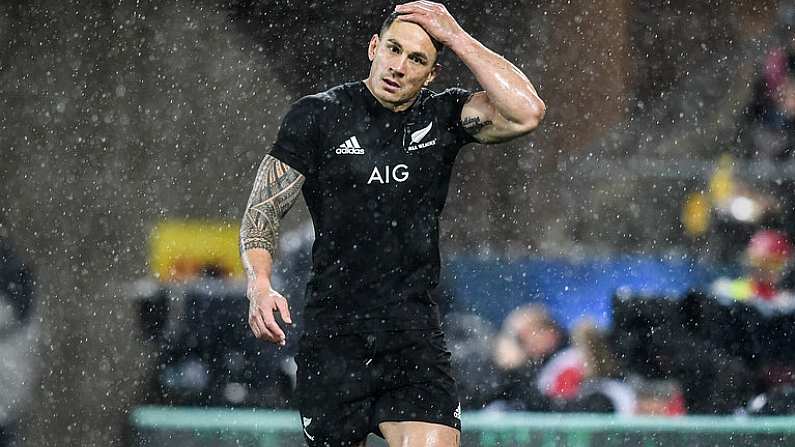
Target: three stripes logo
pixel 350 147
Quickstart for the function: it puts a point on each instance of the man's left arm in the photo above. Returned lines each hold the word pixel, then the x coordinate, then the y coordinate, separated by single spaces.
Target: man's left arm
pixel 509 106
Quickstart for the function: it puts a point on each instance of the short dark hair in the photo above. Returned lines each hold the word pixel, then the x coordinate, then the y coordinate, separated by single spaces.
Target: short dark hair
pixel 392 17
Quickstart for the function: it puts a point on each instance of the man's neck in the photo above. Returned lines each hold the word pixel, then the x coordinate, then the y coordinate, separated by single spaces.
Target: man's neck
pixel 391 105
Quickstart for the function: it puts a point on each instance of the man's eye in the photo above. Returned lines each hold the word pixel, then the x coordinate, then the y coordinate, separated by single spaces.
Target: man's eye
pixel 418 60
pixel 395 49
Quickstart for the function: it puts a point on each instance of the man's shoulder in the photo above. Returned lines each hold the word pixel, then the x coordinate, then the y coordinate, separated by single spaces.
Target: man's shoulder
pixel 334 97
pixel 452 94
pixel 446 104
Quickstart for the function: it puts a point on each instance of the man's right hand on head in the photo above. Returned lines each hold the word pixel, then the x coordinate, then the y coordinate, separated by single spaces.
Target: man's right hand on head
pixel 264 302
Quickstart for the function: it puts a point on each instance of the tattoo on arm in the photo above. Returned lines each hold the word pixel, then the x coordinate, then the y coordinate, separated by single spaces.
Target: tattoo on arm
pixel 275 191
pixel 473 125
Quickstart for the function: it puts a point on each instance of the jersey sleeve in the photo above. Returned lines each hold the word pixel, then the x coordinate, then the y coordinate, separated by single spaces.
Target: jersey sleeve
pixel 457 97
pixel 297 140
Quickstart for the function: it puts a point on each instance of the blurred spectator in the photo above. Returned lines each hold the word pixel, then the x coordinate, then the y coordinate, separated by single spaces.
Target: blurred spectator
pixel 724 218
pixel 766 128
pixel 562 377
pixel 740 200
pixel 697 343
pixel 585 377
pixel 767 125
pixel 529 337
pixel 766 261
pixel 17 339
pixel 528 334
pixel 751 322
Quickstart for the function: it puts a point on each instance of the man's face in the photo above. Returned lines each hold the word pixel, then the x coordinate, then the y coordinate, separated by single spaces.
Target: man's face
pixel 403 61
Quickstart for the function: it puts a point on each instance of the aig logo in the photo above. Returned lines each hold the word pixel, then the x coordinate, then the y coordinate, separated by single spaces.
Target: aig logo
pixel 399 174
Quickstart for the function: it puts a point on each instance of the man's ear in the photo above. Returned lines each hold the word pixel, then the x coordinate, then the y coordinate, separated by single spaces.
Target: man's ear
pixel 432 75
pixel 373 45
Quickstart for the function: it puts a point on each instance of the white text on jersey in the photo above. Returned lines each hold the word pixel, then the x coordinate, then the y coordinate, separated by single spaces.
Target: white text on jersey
pixel 350 147
pixel 399 173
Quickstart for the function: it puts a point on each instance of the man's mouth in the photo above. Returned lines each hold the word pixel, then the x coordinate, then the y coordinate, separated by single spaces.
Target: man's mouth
pixel 392 84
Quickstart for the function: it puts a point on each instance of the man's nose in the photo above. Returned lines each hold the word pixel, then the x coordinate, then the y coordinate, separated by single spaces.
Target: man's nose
pixel 399 66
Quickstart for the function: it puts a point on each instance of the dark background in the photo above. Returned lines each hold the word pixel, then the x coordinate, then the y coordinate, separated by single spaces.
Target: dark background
pixel 117 114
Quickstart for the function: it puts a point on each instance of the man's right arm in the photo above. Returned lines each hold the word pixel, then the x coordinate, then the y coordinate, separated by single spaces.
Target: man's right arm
pixel 275 190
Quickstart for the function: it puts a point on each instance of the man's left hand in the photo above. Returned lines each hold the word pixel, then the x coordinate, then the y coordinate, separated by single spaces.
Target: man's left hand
pixel 434 18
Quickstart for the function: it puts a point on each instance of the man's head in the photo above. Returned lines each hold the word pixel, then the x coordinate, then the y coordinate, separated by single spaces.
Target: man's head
pixel 528 334
pixel 535 330
pixel 390 19
pixel 403 60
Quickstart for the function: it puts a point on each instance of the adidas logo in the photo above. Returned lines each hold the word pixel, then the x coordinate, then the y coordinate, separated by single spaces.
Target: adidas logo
pixel 350 147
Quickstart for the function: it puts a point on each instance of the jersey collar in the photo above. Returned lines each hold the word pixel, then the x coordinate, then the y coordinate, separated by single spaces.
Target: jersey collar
pixel 374 106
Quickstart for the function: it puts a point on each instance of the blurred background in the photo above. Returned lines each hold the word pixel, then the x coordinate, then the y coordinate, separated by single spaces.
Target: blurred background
pixel 650 216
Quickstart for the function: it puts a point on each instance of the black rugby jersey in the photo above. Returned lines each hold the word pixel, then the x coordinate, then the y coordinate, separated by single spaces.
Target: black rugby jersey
pixel 376 183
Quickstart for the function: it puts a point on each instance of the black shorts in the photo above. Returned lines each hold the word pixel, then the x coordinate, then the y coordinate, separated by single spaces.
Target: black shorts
pixel 348 384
